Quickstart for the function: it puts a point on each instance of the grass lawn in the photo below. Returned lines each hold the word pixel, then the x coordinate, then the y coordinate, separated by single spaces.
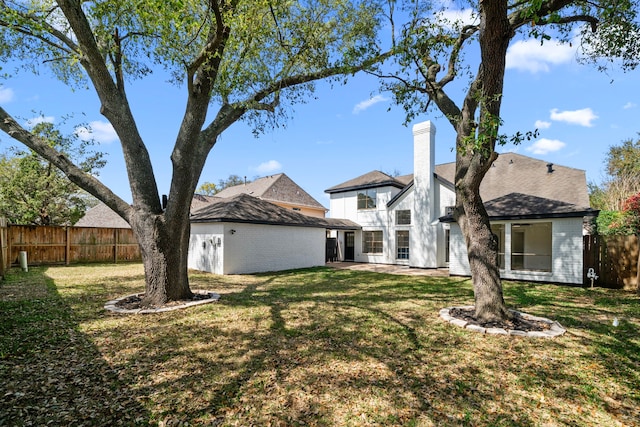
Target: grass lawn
pixel 316 347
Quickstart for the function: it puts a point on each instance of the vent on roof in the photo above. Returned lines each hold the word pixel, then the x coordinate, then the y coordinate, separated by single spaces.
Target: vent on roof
pixel 549 167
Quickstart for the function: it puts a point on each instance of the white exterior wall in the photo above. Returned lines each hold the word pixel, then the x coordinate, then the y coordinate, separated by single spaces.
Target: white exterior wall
pixel 445 196
pixel 427 200
pixel 206 244
pixel 424 238
pixel 345 205
pixel 566 251
pixel 254 248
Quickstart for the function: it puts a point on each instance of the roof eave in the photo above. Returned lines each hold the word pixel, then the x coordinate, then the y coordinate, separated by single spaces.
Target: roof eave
pixel 593 213
pixel 364 187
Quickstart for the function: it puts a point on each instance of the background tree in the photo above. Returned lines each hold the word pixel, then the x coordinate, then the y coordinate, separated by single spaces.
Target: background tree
pixel 33 191
pixel 210 188
pixel 431 58
pixel 247 59
pixel 622 164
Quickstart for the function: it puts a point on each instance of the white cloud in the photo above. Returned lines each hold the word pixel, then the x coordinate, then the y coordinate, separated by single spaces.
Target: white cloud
pixel 6 95
pixel 100 131
pixel 541 124
pixel 582 117
pixel 368 103
pixel 629 105
pixel 268 167
pixel 530 55
pixel 37 120
pixel 545 146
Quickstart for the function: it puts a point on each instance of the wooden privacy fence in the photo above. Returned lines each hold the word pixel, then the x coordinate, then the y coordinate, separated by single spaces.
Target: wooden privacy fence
pixel 614 260
pixel 69 245
pixel 4 246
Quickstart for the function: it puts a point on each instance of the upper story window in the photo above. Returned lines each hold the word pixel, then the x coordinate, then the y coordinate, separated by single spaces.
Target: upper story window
pixel 403 217
pixel 367 198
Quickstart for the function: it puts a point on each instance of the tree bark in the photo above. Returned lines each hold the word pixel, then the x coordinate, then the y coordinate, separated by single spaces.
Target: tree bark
pixel 164 248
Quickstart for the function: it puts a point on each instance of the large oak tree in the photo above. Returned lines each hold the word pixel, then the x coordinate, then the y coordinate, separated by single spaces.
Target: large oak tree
pixel 432 56
pixel 236 59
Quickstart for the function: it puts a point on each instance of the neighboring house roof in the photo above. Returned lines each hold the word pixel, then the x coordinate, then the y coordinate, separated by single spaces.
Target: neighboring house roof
pixel 200 200
pixel 101 216
pixel 510 172
pixel 525 206
pixel 276 188
pixel 243 208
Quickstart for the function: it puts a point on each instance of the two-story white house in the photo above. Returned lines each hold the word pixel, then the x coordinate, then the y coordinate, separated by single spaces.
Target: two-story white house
pixel 536 209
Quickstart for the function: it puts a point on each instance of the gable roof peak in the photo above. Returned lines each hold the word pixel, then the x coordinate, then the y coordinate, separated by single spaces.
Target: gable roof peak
pixel 277 187
pixel 371 179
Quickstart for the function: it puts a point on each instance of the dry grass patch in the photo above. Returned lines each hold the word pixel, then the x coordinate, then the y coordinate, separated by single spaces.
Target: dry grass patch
pixel 316 347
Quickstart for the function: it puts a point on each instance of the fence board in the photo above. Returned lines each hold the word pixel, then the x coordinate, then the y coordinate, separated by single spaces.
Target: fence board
pixel 69 245
pixel 4 245
pixel 614 259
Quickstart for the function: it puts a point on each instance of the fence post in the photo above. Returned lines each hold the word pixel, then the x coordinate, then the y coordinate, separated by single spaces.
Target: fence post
pixel 67 250
pixel 4 256
pixel 115 245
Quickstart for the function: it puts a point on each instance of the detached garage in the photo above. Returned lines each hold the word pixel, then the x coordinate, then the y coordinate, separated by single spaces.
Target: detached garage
pixel 244 234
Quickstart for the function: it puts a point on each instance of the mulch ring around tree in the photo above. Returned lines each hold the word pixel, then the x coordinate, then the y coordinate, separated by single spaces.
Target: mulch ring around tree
pixel 521 324
pixel 132 304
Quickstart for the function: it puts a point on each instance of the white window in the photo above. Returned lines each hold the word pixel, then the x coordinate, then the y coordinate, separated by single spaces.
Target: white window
pixel 367 198
pixel 531 246
pixel 402 244
pixel 403 217
pixel 372 242
pixel 498 230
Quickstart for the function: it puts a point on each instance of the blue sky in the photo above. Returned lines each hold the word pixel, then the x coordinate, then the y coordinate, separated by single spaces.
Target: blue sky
pixel 348 130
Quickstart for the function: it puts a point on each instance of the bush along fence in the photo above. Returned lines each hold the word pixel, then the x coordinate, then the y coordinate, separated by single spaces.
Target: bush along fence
pixel 46 245
pixel 614 259
pixel 4 246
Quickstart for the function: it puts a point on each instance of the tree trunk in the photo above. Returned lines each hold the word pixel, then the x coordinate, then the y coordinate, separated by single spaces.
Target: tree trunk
pixel 164 248
pixel 483 255
pixel 482 244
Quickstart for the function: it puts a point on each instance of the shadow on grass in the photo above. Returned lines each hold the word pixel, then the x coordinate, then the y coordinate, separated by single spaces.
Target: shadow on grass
pixel 51 373
pixel 338 347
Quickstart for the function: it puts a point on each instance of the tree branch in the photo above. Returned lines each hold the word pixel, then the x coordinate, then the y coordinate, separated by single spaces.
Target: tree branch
pixel 115 107
pixel 84 180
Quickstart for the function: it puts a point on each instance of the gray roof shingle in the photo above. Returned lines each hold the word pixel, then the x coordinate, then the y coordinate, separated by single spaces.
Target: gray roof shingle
pixel 370 180
pixel 243 208
pixel 510 173
pixel 102 216
pixel 279 188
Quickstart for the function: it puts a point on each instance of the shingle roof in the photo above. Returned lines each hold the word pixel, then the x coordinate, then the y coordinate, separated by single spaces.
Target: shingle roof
pixel 243 208
pixel 510 173
pixel 525 206
pixel 370 180
pixel 102 216
pixel 200 200
pixel 513 172
pixel 279 188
